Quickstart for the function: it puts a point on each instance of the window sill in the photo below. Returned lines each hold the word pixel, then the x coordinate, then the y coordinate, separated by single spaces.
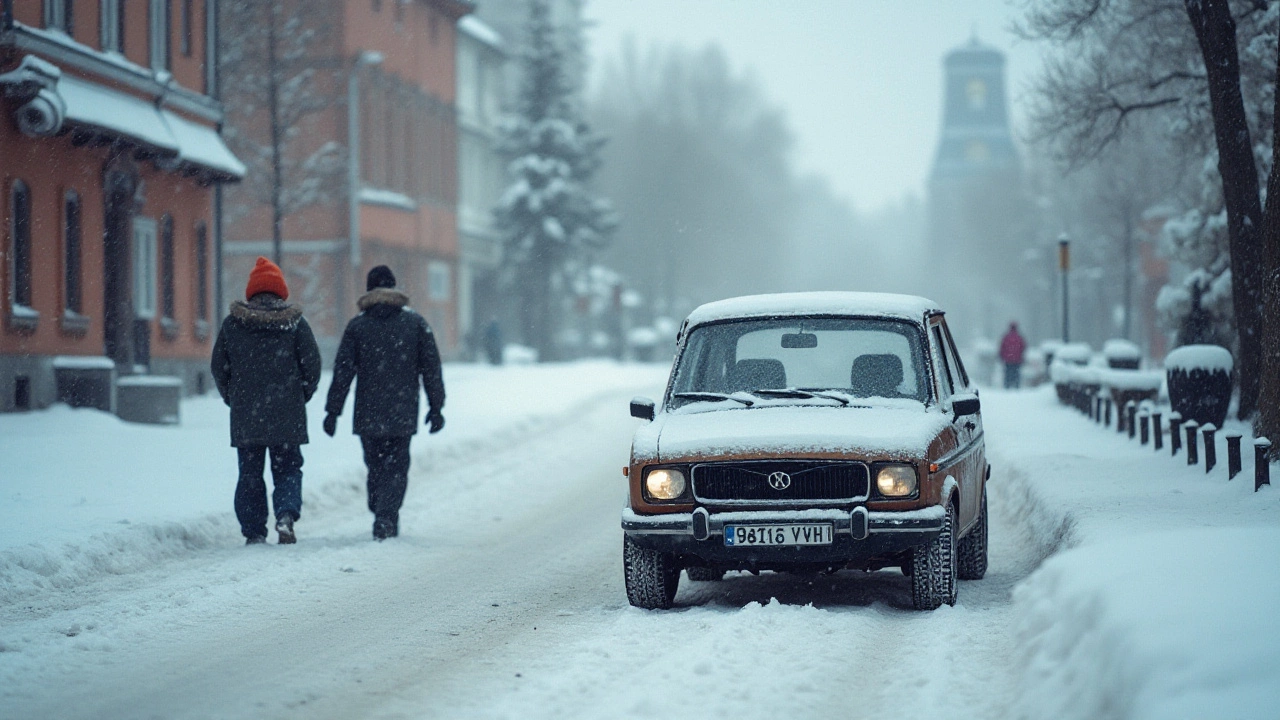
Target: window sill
pixel 202 330
pixel 23 319
pixel 169 328
pixel 73 323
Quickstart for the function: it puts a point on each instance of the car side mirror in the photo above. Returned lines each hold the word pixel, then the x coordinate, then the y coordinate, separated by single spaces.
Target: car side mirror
pixel 642 407
pixel 963 405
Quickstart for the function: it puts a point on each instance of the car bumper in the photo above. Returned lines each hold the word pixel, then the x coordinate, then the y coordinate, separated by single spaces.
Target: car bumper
pixel 860 535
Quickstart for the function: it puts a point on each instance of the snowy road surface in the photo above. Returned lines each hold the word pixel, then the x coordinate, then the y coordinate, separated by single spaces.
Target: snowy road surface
pixel 504 598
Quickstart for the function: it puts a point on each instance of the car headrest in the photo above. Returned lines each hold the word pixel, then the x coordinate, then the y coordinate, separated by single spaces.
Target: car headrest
pixel 757 374
pixel 876 375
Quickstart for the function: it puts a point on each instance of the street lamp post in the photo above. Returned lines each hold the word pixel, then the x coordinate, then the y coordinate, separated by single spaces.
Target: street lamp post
pixel 1064 264
pixel 366 58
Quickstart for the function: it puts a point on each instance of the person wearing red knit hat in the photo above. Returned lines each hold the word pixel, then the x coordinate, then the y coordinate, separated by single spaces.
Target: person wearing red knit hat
pixel 267 366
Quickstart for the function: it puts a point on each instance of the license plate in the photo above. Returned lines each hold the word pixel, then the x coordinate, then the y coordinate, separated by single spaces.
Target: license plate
pixel 750 535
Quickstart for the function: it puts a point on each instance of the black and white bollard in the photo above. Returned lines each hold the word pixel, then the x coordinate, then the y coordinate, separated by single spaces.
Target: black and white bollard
pixel 1175 432
pixel 1193 449
pixel 1131 415
pixel 1233 455
pixel 1157 432
pixel 1210 447
pixel 1261 466
pixel 1106 411
pixel 1144 433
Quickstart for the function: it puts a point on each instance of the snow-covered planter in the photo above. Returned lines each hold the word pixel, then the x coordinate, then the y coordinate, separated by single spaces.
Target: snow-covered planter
pixel 1071 373
pixel 1122 354
pixel 1199 379
pixel 1050 349
pixel 1130 385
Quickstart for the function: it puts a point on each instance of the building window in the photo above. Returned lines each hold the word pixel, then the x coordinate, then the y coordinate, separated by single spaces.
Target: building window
pixel 71 249
pixel 167 289
pixel 20 248
pixel 111 25
pixel 60 15
pixel 438 281
pixel 159 30
pixel 188 28
pixel 144 268
pixel 202 280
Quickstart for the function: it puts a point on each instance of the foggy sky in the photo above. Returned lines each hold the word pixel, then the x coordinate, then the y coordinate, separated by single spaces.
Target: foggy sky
pixel 860 80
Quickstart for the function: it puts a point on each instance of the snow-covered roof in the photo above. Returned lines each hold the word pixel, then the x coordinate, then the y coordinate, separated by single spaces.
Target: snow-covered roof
pixel 908 307
pixel 202 145
pixel 96 106
pixel 100 107
pixel 477 29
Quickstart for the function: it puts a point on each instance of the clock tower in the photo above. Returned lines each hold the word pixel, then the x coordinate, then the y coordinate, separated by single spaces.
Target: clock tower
pixel 978 219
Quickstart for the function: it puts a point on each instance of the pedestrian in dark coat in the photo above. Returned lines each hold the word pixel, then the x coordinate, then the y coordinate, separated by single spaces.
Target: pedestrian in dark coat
pixel 267 366
pixel 391 349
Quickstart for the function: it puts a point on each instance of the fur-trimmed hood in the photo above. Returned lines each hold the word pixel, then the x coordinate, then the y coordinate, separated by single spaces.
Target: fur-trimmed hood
pixel 267 314
pixel 382 296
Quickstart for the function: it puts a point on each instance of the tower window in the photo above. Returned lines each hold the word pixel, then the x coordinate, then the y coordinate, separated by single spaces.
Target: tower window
pixel 976 92
pixel 20 244
pixel 71 250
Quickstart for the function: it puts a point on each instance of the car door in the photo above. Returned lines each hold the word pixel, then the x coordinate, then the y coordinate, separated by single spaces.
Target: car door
pixel 960 463
pixel 976 459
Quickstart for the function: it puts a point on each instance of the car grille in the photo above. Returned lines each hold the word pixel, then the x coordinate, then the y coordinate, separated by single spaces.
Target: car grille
pixel 749 482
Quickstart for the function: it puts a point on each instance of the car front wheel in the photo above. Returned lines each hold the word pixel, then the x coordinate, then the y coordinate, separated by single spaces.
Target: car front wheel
pixel 651 576
pixel 933 568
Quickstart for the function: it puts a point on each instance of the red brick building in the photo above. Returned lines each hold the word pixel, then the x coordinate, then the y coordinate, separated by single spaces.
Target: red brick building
pixel 109 158
pixel 378 81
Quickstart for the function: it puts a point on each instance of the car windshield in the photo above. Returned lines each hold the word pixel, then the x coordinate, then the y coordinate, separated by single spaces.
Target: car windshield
pixel 856 357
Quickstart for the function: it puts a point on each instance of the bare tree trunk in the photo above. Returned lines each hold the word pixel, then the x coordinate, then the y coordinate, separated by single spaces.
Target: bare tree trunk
pixel 1268 421
pixel 277 164
pixel 1129 272
pixel 1216 34
pixel 537 311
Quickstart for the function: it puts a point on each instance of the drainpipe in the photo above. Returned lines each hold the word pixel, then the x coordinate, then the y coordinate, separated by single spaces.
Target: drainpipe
pixel 366 58
pixel 6 15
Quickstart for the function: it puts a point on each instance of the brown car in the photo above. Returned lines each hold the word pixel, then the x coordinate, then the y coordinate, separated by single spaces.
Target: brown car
pixel 809 432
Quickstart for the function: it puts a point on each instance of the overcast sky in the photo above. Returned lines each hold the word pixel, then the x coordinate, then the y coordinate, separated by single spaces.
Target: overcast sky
pixel 860 80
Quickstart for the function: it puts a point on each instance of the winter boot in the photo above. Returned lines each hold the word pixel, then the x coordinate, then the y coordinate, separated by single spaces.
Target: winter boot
pixel 255 540
pixel 284 526
pixel 383 529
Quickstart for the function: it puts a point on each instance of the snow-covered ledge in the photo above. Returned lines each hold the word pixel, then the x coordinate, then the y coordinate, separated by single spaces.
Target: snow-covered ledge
pixel 387 198
pixel 23 318
pixel 73 323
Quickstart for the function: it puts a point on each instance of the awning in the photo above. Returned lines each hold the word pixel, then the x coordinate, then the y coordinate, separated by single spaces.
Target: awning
pixel 163 131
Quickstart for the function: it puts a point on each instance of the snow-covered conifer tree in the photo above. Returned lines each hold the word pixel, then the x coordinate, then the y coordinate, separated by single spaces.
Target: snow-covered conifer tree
pixel 548 217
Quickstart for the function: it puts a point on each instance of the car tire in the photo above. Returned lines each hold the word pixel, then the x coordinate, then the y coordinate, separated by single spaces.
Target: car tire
pixel 704 574
pixel 933 572
pixel 971 561
pixel 651 576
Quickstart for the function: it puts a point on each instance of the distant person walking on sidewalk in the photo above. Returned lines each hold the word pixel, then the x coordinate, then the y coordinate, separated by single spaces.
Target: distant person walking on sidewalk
pixel 267 366
pixel 1012 347
pixel 390 348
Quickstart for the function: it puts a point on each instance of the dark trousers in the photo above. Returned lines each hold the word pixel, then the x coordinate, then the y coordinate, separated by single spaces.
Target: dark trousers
pixel 388 462
pixel 1013 375
pixel 251 490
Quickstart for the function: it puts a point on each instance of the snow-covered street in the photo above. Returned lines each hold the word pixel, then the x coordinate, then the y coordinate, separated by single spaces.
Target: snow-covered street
pixel 503 597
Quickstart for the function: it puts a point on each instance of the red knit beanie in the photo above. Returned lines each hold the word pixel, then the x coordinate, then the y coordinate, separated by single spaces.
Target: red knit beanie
pixel 266 277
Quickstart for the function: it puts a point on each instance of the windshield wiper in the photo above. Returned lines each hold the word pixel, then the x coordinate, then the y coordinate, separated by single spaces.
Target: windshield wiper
pixel 797 393
pixel 711 396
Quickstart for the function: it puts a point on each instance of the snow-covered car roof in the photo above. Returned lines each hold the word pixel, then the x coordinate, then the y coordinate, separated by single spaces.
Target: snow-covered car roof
pixel 908 307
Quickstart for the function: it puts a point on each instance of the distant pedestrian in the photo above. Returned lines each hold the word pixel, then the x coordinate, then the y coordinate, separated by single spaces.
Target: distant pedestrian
pixel 391 349
pixel 267 366
pixel 1012 348
pixel 493 342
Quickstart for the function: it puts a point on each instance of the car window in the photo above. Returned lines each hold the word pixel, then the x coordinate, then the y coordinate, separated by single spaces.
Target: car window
pixel 954 356
pixel 861 357
pixel 945 381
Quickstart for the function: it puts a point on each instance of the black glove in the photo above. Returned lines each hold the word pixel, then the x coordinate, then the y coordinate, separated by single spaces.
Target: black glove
pixel 330 424
pixel 435 420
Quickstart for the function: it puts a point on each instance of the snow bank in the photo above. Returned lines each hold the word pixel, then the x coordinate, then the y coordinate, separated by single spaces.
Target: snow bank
pixel 1098 642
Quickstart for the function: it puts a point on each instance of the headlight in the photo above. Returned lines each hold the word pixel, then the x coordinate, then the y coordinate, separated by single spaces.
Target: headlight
pixel 896 480
pixel 664 484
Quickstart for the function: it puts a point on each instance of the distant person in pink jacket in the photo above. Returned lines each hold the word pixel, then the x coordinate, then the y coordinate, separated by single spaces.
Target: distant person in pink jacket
pixel 1012 348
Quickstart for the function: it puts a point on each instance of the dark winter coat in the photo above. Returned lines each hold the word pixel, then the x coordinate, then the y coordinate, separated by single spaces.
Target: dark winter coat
pixel 266 366
pixel 389 347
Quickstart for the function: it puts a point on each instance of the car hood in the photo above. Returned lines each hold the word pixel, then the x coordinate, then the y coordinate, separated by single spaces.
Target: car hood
pixel 867 432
